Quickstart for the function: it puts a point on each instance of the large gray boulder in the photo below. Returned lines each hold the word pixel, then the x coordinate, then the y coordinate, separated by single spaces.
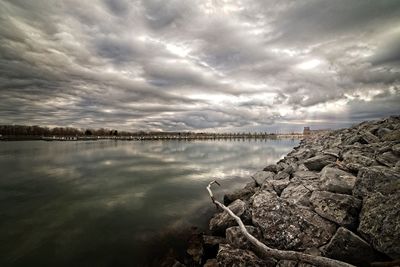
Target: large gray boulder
pixel 232 257
pixel 339 208
pixel 388 159
pixel 380 222
pixel 297 193
pixel 261 176
pixel 285 225
pixel 348 247
pixel 237 239
pixel 242 194
pixel 318 162
pixel 376 179
pixel 336 180
pixel 220 221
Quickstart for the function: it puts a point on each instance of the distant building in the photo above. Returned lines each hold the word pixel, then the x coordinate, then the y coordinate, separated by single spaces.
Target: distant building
pixel 306 131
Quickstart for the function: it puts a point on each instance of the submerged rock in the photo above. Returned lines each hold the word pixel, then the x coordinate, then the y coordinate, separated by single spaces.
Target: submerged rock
pixel 285 225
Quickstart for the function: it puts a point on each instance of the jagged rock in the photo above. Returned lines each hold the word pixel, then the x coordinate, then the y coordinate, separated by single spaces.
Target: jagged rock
pixel 380 221
pixel 233 257
pixel 369 137
pixel 396 149
pixel 285 225
pixel 236 238
pixel 211 263
pixel 271 168
pixel 242 194
pixel 261 176
pixel 286 263
pixel 353 156
pixel 318 162
pixel 353 139
pixel 333 152
pixel 303 154
pixel 388 158
pixel 392 136
pixel 338 208
pixel 280 185
pixel 348 247
pixel 311 180
pixel 297 193
pixel 382 132
pixel 178 264
pixel 223 220
pixel 376 179
pixel 336 180
pixel 282 175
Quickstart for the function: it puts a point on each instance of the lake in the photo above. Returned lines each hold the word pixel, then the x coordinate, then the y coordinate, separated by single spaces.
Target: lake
pixel 115 203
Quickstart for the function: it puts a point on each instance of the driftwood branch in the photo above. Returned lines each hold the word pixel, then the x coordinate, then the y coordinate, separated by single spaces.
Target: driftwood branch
pixel 276 253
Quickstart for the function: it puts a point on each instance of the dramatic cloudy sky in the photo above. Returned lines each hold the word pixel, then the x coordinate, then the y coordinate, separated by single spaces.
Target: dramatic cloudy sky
pixel 198 65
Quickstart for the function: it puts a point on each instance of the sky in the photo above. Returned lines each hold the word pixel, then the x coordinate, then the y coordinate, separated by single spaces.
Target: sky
pixel 199 65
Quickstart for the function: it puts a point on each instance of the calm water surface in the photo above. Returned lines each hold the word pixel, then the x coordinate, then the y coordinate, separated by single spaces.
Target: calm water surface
pixel 114 203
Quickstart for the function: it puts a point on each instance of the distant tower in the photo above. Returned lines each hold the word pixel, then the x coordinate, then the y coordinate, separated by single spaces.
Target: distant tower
pixel 306 131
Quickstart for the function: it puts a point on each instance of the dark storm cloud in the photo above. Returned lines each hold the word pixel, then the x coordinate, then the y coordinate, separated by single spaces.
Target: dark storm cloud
pixel 180 65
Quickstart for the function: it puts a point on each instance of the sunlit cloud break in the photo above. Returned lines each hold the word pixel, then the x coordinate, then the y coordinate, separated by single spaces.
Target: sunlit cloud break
pixel 199 65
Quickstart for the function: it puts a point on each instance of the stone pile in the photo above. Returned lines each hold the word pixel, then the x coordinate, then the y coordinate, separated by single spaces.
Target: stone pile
pixel 336 194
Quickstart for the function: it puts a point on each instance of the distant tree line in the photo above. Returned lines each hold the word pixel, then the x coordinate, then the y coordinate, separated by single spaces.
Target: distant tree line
pixel 22 130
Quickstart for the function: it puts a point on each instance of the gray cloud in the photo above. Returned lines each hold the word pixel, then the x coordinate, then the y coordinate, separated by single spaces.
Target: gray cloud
pixel 203 65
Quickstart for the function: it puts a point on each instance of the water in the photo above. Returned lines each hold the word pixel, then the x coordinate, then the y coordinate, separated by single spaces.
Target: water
pixel 114 203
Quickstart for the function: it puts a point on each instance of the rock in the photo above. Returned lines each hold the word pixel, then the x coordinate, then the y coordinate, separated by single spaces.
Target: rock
pixel 210 240
pixel 388 158
pixel 228 256
pixel 376 179
pixel 348 247
pixel 223 220
pixel 355 157
pixel 280 185
pixel 242 194
pixel 271 168
pixel 282 175
pixel 178 264
pixel 261 176
pixel 396 149
pixel 353 139
pixel 382 131
pixel 392 136
pixel 297 193
pixel 336 180
pixel 311 180
pixel 338 208
pixel 380 221
pixel 286 263
pixel 195 245
pixel 211 263
pixel 369 137
pixel 236 238
pixel 318 162
pixel 285 225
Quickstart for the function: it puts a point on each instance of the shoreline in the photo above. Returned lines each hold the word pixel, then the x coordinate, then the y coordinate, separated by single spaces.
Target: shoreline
pixel 329 196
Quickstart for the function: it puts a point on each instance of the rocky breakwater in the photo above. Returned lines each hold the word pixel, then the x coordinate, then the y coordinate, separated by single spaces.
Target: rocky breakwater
pixel 335 195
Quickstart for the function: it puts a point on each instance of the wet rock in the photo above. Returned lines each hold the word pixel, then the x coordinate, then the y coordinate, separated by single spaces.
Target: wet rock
pixel 348 247
pixel 388 158
pixel 336 180
pixel 380 221
pixel 236 238
pixel 223 220
pixel 285 225
pixel 297 193
pixel 242 194
pixel 271 168
pixel 229 256
pixel 261 176
pixel 376 179
pixel 318 162
pixel 338 208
